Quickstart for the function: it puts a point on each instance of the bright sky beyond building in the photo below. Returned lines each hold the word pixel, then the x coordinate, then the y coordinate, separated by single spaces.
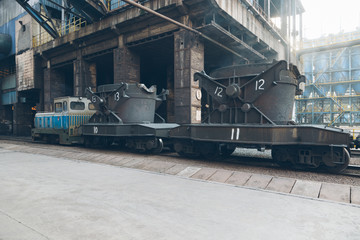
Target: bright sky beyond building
pixel 324 17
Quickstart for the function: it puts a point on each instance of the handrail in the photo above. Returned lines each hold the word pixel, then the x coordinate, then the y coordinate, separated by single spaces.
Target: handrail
pixel 325 97
pixel 72 25
pixel 334 83
pixel 114 5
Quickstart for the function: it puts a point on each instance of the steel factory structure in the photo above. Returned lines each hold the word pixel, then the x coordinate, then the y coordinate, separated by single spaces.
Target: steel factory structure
pixel 331 65
pixel 55 48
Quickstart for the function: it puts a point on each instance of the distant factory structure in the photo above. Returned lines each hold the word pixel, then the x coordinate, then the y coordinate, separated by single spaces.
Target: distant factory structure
pixel 55 48
pixel 332 93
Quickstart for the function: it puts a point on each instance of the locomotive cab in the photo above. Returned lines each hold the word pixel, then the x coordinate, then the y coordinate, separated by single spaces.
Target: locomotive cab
pixel 63 125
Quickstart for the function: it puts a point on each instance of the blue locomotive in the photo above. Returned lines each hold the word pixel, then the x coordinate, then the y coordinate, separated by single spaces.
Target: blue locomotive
pixel 63 125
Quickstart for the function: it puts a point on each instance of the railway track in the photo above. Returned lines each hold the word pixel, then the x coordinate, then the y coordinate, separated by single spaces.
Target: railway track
pixel 246 160
pixel 354 167
pixel 15 138
pixel 352 171
pixel 355 152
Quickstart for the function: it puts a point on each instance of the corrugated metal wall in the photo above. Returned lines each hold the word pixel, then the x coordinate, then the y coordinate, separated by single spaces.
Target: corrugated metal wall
pixel 8 82
pixel 10 9
pixel 8 98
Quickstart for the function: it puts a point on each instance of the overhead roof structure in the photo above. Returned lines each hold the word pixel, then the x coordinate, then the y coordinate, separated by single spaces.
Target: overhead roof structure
pixel 92 10
pixel 215 31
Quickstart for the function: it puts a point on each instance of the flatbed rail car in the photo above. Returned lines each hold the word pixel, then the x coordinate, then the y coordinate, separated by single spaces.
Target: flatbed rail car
pixel 63 125
pixel 251 106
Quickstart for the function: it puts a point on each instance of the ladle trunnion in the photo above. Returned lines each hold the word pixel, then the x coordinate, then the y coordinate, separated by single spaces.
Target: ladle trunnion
pixel 251 106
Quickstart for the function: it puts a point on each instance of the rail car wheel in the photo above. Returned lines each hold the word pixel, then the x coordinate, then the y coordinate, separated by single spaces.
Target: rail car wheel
pixel 284 157
pixel 336 160
pixel 209 150
pixel 226 150
pixel 97 141
pixel 185 149
pixel 107 141
pixel 54 139
pixel 34 138
pixel 159 146
pixel 87 142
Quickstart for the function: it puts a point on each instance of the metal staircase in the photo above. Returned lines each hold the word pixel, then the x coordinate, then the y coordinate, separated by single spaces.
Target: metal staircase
pixel 322 92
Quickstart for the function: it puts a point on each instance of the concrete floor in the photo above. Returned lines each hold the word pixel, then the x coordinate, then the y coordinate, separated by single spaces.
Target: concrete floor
pixel 42 197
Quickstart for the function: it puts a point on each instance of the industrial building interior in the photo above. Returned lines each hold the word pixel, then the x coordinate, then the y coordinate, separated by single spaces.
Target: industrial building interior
pixel 179 119
pixel 64 46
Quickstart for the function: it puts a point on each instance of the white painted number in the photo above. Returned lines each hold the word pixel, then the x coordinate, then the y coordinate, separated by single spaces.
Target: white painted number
pixel 259 84
pixel 93 99
pixel 218 91
pixel 117 96
pixel 96 130
pixel 235 134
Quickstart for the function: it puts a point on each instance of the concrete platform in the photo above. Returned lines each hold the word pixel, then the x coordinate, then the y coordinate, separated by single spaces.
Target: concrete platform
pixel 307 188
pixel 43 197
pixel 159 164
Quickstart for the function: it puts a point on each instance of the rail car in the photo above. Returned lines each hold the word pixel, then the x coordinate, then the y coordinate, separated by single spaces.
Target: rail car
pixel 242 106
pixel 251 106
pixel 127 115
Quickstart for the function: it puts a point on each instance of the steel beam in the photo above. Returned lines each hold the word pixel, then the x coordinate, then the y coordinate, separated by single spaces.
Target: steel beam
pixel 39 18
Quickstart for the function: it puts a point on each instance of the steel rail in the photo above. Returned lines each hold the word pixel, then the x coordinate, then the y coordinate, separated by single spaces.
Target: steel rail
pixel 351 171
pixel 354 175
pixel 354 167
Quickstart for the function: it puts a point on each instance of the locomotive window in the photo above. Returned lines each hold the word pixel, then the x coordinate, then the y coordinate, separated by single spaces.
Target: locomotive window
pixel 91 106
pixel 65 106
pixel 77 106
pixel 58 107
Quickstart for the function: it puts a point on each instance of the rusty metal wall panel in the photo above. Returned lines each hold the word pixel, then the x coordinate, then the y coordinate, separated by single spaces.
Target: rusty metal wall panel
pixel 23 34
pixel 126 66
pixel 25 70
